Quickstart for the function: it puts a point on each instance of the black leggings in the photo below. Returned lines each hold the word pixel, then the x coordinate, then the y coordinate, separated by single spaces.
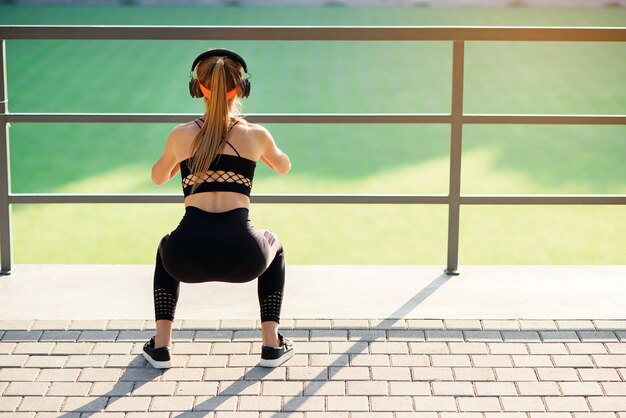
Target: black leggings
pixel 219 247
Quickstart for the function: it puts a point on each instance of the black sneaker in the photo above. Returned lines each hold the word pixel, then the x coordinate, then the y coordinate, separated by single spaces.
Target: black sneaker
pixel 274 357
pixel 160 358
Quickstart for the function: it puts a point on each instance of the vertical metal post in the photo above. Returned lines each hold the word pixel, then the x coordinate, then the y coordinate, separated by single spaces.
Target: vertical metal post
pixel 456 146
pixel 6 250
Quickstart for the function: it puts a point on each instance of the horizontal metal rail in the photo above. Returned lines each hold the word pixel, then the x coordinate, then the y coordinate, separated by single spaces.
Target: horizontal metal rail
pixel 545 119
pixel 363 118
pixel 262 198
pixel 537 199
pixel 317 33
pixel 255 118
pixel 375 199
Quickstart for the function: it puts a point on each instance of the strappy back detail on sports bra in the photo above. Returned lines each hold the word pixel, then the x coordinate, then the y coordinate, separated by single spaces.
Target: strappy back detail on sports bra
pixel 227 143
pixel 227 173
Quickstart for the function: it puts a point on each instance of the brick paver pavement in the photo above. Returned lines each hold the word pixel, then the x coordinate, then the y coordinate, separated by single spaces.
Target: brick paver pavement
pixel 343 368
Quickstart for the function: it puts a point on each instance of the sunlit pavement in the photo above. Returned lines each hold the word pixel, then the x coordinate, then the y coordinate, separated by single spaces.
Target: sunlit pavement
pixel 349 363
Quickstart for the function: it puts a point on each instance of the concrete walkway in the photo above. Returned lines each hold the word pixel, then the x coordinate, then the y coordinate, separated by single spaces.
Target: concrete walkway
pixel 372 342
pixel 344 368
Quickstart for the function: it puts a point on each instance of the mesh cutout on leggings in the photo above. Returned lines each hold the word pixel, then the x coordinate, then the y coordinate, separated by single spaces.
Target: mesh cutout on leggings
pixel 164 304
pixel 219 176
pixel 270 308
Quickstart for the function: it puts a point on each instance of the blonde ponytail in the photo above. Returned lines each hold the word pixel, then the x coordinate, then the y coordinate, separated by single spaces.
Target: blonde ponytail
pixel 219 75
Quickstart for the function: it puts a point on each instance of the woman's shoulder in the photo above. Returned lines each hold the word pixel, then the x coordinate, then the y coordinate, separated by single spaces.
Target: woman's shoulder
pixel 181 138
pixel 254 130
pixel 190 127
pixel 184 132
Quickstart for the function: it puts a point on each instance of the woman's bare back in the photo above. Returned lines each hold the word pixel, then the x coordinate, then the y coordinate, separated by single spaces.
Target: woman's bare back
pixel 242 137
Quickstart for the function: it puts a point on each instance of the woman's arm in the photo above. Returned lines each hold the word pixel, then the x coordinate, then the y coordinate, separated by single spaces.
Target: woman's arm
pixel 272 156
pixel 167 166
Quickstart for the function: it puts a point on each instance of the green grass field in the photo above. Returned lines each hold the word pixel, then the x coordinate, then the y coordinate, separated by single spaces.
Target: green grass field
pixel 326 77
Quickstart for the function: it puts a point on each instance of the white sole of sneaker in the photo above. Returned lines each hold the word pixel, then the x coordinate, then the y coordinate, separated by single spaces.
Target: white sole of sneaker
pixel 277 362
pixel 157 364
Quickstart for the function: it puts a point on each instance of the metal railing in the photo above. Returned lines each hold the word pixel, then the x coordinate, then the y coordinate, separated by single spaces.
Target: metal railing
pixel 456 118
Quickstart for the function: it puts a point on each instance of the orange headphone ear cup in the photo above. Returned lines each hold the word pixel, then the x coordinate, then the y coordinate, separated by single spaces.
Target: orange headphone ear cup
pixel 194 88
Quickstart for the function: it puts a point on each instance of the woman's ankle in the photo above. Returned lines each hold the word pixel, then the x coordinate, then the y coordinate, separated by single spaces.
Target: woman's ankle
pixel 162 342
pixel 271 342
pixel 269 332
pixel 163 333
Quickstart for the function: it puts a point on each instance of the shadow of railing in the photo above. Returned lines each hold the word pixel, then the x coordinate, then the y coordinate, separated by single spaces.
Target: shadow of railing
pixel 258 373
pixel 343 361
pixel 140 375
pixel 137 376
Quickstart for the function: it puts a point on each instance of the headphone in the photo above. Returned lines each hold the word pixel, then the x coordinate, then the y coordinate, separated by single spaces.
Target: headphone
pixel 196 88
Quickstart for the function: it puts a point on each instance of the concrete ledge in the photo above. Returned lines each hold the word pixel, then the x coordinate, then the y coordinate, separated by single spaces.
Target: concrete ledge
pixel 317 292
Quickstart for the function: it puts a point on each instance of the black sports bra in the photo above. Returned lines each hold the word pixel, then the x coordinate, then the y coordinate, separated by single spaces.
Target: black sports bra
pixel 227 173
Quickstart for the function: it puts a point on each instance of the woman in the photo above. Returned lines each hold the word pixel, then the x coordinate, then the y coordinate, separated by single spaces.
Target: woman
pixel 215 241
